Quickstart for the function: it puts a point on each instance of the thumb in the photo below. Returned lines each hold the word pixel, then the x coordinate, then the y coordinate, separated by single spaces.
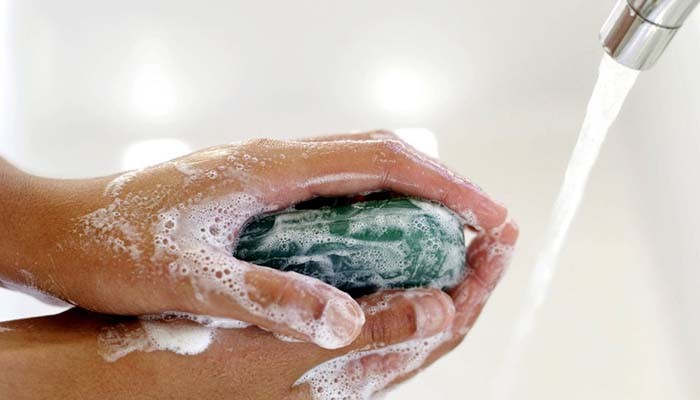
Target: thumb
pixel 371 362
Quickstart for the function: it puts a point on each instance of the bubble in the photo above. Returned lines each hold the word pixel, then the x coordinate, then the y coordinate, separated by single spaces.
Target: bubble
pixel 348 377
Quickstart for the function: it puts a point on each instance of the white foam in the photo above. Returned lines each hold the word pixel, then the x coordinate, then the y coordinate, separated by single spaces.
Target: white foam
pixel 348 377
pixel 5 329
pixel 186 339
pixel 121 224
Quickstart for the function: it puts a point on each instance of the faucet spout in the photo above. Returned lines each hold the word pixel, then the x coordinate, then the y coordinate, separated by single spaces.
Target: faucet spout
pixel 637 31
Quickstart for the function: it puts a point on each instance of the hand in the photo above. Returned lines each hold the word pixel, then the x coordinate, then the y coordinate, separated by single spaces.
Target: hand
pixel 160 239
pixel 362 374
pixel 40 355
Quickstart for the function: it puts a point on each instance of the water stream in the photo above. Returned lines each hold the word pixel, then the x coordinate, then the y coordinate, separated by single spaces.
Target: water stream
pixel 613 84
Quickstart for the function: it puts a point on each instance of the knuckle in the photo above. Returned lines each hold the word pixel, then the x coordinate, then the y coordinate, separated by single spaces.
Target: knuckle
pixel 380 332
pixel 394 326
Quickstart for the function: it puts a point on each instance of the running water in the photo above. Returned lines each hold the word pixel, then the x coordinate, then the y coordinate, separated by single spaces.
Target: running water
pixel 609 93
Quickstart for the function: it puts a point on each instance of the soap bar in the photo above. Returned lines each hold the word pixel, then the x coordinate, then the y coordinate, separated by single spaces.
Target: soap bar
pixel 362 247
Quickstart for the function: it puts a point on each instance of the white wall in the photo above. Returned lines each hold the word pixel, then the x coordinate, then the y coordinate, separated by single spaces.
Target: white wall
pixel 502 84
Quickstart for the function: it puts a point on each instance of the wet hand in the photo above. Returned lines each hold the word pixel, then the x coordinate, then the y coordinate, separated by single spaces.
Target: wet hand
pixel 160 239
pixel 362 374
pixel 116 357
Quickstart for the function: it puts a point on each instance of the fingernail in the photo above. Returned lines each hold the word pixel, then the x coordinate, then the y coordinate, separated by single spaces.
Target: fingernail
pixel 342 321
pixel 434 313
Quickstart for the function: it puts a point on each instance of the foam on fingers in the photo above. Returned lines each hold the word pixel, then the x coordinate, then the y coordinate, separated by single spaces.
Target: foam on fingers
pixel 199 239
pixel 359 375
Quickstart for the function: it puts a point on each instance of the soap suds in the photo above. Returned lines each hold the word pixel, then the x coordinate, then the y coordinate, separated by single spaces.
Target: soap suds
pixel 188 339
pixel 359 375
pixel 164 332
pixel 5 329
pixel 120 224
pixel 118 341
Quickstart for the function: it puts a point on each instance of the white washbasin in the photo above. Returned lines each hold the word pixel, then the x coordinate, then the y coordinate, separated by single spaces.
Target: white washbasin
pixel 502 84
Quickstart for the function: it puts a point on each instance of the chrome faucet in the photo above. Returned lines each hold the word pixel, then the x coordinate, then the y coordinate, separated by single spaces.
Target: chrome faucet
pixel 637 31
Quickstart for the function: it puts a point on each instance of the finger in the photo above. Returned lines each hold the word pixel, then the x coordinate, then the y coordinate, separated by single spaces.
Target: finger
pixel 395 316
pixel 393 319
pixel 488 255
pixel 287 303
pixel 364 373
pixel 306 170
pixel 381 134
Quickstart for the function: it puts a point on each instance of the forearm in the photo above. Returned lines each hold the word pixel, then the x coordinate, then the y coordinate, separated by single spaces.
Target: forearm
pixel 62 357
pixel 57 358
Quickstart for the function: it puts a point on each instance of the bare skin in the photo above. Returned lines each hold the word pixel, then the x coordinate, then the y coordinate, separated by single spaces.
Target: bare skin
pixel 58 357
pixel 95 243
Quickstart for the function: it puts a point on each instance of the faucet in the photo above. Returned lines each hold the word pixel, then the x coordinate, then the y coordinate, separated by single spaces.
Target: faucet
pixel 637 31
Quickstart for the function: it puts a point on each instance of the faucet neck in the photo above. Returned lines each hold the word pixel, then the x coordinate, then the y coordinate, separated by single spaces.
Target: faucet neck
pixel 665 13
pixel 637 31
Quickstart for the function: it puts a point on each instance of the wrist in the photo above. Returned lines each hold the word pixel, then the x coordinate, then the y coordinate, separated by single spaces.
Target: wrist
pixel 35 213
pixel 19 193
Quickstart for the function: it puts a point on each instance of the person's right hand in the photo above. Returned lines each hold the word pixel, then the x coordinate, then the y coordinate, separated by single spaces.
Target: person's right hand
pixel 161 239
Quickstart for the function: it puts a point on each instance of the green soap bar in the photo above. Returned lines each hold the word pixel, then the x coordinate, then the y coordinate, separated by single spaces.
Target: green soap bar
pixel 362 247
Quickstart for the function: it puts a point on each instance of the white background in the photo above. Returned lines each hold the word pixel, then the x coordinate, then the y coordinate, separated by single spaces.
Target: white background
pixel 502 84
